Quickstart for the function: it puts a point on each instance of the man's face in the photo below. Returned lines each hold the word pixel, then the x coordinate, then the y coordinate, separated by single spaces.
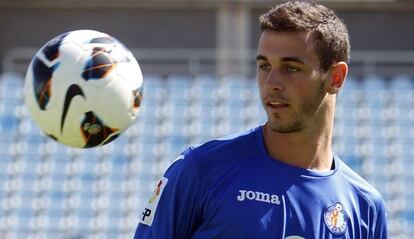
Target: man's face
pixel 292 86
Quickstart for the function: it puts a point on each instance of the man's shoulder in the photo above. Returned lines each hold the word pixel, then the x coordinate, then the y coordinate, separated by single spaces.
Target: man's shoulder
pixel 205 164
pixel 218 154
pixel 369 201
pixel 229 146
pixel 361 186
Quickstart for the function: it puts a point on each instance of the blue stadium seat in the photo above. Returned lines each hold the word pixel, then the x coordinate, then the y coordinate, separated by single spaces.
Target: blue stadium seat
pixel 402 89
pixel 375 92
pixel 207 81
pixel 350 95
pixel 11 90
pixel 11 78
pixel 347 147
pixel 8 125
pixel 204 88
pixel 177 87
pixel 402 82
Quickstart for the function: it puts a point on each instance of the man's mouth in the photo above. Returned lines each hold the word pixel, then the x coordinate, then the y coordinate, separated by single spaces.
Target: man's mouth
pixel 277 104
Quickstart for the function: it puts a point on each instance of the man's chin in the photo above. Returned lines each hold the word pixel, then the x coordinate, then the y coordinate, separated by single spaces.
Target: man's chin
pixel 284 128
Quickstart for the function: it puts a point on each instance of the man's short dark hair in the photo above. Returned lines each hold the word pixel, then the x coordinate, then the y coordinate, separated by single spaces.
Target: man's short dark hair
pixel 330 33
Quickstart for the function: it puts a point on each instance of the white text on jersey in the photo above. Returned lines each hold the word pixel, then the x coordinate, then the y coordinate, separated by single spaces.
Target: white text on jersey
pixel 258 196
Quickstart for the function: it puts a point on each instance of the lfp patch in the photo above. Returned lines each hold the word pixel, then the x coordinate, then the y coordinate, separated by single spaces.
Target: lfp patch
pixel 149 211
pixel 336 219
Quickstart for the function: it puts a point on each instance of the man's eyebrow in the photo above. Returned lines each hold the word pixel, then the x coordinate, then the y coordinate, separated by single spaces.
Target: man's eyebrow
pixel 284 59
pixel 293 59
pixel 261 57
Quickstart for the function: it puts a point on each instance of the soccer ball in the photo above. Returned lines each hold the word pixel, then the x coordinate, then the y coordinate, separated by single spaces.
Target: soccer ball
pixel 83 88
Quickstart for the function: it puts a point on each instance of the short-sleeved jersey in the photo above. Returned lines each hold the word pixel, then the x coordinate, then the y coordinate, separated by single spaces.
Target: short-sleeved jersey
pixel 231 188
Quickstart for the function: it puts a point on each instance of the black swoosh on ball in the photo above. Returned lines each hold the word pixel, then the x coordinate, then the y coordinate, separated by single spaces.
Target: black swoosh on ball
pixel 73 91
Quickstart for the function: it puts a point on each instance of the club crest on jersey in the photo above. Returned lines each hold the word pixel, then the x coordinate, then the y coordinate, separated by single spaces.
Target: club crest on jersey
pixel 148 214
pixel 335 218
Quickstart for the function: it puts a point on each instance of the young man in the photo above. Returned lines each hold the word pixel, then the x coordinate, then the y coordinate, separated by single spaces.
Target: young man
pixel 281 179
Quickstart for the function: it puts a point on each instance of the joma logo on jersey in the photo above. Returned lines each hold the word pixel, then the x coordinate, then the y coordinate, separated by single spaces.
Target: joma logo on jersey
pixel 258 196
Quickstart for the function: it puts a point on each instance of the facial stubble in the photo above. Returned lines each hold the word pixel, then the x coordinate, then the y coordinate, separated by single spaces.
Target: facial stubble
pixel 307 110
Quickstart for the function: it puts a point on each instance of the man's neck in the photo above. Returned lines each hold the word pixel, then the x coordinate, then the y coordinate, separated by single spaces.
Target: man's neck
pixel 309 151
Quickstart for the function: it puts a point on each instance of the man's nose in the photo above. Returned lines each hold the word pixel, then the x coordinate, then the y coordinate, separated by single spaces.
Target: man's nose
pixel 274 80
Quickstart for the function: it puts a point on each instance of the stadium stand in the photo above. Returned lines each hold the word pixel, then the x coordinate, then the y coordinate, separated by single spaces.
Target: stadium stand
pixel 48 190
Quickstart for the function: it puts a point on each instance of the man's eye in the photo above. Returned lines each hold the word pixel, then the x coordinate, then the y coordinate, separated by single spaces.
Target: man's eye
pixel 264 66
pixel 292 69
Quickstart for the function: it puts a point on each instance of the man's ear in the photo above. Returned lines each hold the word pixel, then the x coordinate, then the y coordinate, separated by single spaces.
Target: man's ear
pixel 338 75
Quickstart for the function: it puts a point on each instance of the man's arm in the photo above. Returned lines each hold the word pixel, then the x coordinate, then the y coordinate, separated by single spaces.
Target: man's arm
pixel 380 230
pixel 173 209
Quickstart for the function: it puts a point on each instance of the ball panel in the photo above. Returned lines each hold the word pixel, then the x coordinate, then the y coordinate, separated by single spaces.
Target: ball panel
pixel 131 72
pixel 132 78
pixel 51 49
pixel 137 98
pixel 94 130
pixel 104 40
pixel 84 37
pixel 115 102
pixel 99 65
pixel 42 75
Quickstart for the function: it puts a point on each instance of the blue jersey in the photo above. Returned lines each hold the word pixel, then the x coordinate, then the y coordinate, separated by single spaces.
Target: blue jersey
pixel 231 188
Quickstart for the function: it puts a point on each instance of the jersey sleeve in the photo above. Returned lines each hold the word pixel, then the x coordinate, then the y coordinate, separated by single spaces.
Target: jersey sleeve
pixel 173 208
pixel 380 228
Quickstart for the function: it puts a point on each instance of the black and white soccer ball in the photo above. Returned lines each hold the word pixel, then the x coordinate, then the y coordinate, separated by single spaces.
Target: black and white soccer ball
pixel 83 88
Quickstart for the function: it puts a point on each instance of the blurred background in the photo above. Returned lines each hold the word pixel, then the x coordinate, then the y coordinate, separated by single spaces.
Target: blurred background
pixel 198 60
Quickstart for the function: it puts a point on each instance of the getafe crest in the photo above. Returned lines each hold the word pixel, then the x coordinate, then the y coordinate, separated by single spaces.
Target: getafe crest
pixel 335 218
